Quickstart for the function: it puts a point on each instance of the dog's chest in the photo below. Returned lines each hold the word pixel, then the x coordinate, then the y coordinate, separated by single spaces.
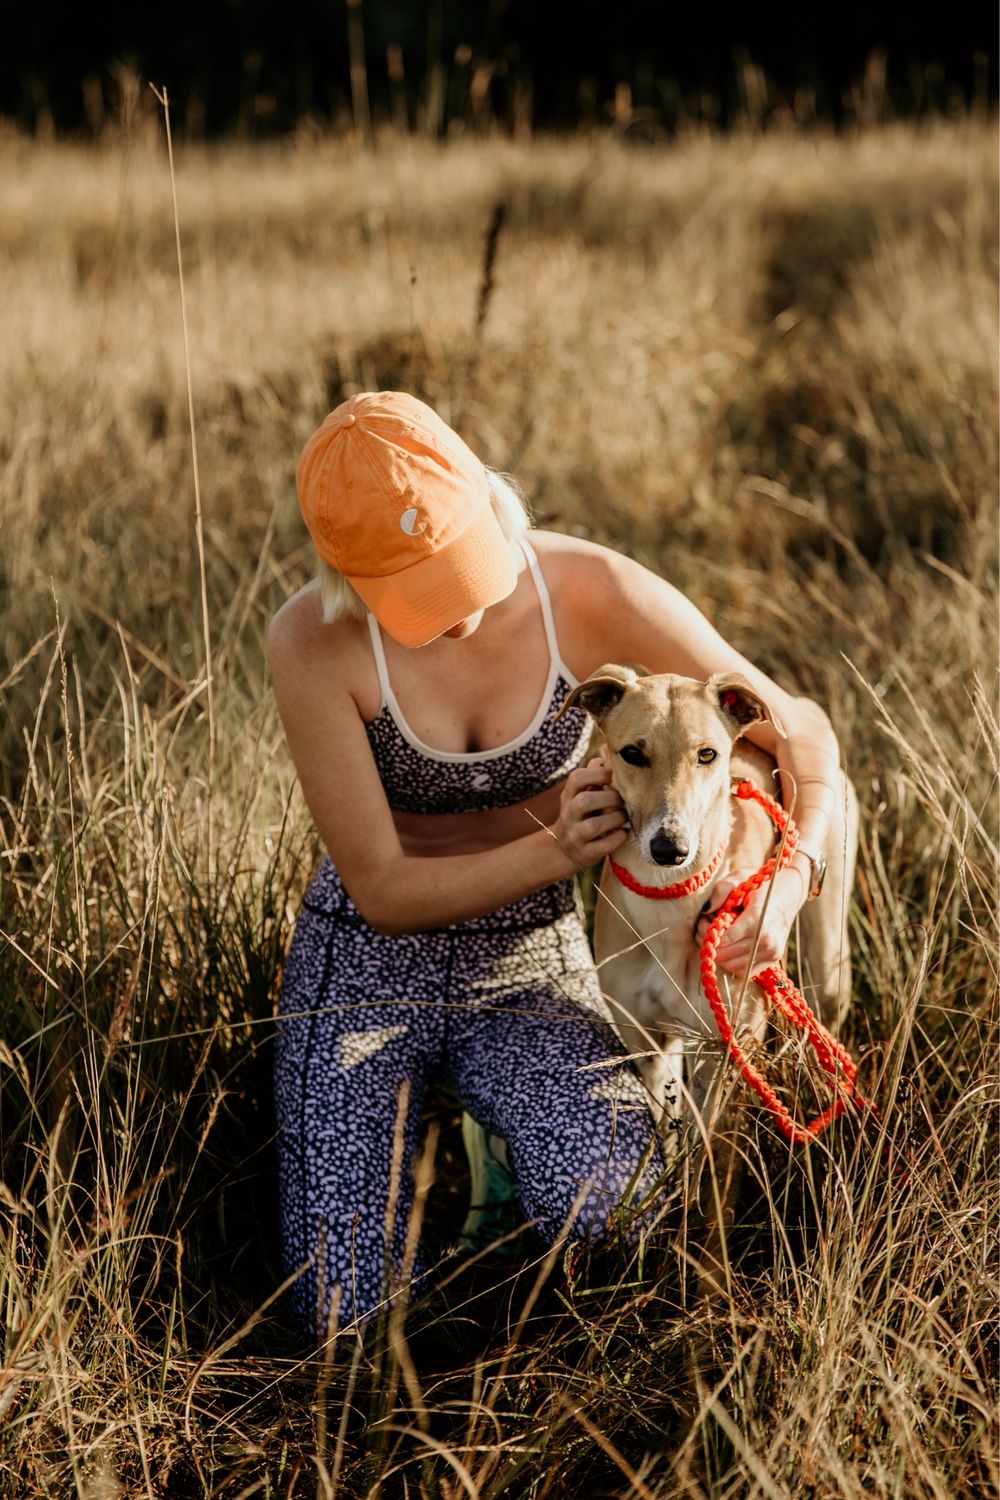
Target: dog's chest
pixel 667 990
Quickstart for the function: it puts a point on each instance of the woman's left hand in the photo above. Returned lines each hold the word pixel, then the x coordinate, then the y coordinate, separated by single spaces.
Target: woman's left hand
pixel 737 943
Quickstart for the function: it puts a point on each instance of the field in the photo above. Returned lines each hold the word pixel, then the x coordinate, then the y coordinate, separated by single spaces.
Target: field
pixel 764 365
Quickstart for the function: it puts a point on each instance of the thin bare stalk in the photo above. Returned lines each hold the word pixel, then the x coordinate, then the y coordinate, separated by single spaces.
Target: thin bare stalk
pixel 164 100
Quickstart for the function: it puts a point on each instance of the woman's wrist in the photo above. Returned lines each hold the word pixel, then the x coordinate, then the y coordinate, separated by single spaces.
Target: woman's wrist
pixel 800 872
pixel 555 863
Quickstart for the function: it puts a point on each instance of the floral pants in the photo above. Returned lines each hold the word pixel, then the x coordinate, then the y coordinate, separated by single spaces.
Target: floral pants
pixel 507 1007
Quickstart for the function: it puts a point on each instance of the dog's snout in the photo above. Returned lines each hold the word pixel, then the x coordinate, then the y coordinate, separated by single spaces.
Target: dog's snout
pixel 668 851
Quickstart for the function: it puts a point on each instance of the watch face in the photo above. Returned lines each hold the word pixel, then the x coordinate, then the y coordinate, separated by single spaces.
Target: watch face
pixel 819 875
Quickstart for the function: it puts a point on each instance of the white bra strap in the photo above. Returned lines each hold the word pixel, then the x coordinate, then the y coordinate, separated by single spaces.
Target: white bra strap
pixel 379 652
pixel 543 599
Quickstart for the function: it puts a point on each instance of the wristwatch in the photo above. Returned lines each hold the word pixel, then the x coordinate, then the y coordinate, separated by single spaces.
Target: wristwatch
pixel 817 864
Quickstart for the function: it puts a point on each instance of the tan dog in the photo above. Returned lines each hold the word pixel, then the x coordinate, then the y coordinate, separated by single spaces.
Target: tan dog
pixel 673 746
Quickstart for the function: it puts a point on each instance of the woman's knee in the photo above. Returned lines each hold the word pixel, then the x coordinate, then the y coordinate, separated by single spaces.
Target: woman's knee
pixel 611 1196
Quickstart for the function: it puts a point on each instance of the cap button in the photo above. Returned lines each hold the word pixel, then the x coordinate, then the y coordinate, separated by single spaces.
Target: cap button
pixel 350 420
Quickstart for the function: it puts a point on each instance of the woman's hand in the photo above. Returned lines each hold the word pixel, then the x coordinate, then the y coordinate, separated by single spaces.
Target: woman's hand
pixel 736 946
pixel 591 821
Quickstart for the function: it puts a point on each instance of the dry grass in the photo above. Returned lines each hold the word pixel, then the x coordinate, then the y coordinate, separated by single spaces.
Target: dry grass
pixel 766 366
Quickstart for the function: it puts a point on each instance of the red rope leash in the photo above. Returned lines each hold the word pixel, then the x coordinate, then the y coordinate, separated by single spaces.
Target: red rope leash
pixel 833 1058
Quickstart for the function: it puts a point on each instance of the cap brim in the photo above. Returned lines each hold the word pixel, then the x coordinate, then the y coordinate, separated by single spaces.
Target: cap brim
pixel 477 569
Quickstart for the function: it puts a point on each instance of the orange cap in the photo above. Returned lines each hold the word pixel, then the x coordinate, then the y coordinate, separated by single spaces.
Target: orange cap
pixel 397 503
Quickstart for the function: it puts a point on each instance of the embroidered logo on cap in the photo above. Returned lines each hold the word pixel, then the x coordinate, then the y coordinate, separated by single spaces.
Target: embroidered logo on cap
pixel 408 522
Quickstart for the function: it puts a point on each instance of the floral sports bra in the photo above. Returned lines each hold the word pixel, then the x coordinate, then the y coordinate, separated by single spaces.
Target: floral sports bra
pixel 418 778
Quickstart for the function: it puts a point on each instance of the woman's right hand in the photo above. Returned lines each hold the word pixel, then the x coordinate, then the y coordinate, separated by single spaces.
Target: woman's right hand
pixel 591 821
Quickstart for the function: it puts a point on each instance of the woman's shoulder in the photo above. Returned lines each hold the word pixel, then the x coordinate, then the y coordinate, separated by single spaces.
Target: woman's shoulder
pixel 587 589
pixel 299 622
pixel 566 550
pixel 296 628
pixel 608 607
pixel 300 644
pixel 576 565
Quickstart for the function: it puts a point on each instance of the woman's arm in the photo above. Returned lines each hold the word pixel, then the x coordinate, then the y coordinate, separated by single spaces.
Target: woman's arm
pixel 396 892
pixel 654 623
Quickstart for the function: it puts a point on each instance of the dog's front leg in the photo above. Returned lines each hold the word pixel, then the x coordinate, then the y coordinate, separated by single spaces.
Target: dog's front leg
pixel 717 1094
pixel 661 1067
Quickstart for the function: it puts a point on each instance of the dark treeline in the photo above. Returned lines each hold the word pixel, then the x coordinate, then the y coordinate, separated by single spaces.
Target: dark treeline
pixel 262 67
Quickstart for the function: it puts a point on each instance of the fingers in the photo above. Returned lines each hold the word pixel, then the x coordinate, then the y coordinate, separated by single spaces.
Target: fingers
pixel 720 892
pixel 589 840
pixel 584 831
pixel 593 847
pixel 736 957
pixel 738 950
pixel 594 774
pixel 588 803
pixel 725 886
pixel 737 960
pixel 592 821
pixel 599 824
pixel 588 794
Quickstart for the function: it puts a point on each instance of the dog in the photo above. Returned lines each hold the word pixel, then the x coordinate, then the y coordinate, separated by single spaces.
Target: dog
pixel 674 746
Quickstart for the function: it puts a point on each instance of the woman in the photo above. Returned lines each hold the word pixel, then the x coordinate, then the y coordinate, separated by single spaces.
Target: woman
pixel 419 681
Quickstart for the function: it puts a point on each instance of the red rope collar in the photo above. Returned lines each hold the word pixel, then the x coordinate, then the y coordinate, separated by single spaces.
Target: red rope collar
pixel 833 1058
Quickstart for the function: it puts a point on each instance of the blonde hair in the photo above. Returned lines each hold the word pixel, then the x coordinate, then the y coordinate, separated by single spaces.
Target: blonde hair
pixel 338 598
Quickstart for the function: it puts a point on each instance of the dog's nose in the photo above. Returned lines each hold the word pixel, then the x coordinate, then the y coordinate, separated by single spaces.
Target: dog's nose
pixel 667 851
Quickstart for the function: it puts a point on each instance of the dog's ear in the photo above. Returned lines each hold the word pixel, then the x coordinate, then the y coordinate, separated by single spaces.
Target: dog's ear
pixel 601 690
pixel 739 703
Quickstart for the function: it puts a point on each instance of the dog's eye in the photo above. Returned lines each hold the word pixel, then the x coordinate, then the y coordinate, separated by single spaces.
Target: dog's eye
pixel 706 755
pixel 633 756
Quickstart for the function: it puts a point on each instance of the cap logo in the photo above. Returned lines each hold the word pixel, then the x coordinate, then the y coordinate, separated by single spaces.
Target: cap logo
pixel 409 524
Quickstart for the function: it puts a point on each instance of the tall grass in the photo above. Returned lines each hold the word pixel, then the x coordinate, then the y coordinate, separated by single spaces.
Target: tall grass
pixel 765 366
